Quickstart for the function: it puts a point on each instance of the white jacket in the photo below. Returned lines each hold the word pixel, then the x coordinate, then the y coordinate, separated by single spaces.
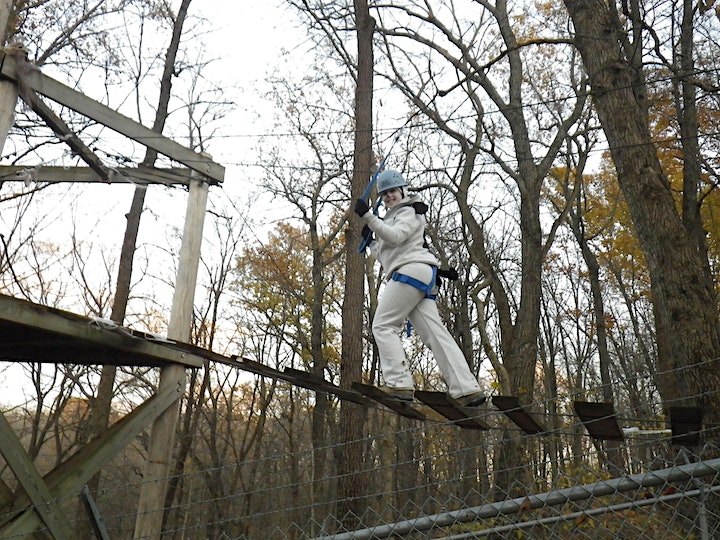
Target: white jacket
pixel 399 236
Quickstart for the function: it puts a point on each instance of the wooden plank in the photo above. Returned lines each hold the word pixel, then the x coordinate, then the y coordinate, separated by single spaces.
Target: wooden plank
pixel 94 110
pixel 599 419
pixel 402 408
pixel 465 417
pixel 686 425
pixel 510 406
pixel 121 175
pixel 62 329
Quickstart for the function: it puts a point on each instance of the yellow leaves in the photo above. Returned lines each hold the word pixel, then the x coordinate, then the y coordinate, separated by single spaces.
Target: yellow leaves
pixel 275 284
pixel 607 225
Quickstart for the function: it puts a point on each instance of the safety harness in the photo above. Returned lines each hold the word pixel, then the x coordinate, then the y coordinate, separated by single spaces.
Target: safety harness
pixel 424 287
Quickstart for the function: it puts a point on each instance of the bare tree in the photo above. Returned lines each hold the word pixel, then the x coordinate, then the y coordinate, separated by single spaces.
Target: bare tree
pixel 521 142
pixel 684 302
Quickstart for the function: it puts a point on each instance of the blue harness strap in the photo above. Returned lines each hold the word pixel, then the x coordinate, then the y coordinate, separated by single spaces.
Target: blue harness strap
pixel 424 287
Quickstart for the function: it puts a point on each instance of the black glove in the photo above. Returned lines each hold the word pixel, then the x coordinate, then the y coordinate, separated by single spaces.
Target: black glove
pixel 420 207
pixel 361 207
pixel 450 274
pixel 366 238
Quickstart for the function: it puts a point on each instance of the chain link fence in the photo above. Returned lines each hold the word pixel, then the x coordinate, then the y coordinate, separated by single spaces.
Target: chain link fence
pixel 435 480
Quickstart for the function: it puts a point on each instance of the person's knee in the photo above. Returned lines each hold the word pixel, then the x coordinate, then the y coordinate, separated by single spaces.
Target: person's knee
pixel 382 328
pixel 377 328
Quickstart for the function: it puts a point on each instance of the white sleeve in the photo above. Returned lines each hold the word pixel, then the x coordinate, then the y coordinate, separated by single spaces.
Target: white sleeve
pixel 403 225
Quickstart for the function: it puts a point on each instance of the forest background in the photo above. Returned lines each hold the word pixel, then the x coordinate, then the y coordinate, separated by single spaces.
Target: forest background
pixel 570 181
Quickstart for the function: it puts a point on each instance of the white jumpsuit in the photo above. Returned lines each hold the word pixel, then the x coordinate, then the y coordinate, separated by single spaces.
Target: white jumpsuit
pixel 398 246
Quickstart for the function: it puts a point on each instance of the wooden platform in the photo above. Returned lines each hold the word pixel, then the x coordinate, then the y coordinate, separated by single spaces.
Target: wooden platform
pixel 35 333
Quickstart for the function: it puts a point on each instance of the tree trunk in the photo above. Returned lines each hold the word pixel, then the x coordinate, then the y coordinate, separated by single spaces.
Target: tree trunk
pixel 352 481
pixel 687 119
pixel 684 305
pixel 615 458
pixel 320 417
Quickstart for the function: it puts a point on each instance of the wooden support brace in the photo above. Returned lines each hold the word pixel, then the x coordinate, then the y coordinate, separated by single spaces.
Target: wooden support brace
pixel 94 110
pixel 67 479
pixel 44 506
pixel 64 133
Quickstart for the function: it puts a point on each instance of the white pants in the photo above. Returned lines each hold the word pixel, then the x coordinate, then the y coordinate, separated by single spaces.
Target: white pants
pixel 400 302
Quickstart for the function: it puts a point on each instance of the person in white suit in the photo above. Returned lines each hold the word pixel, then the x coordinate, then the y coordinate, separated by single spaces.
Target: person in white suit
pixel 410 271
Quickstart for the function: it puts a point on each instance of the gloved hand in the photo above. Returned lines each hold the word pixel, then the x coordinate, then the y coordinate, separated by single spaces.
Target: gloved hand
pixel 420 207
pixel 361 207
pixel 366 238
pixel 450 274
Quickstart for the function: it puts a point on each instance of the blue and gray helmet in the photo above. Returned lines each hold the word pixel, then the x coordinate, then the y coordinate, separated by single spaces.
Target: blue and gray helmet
pixel 389 179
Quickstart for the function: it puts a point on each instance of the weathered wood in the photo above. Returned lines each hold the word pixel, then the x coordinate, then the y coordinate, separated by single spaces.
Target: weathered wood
pixel 318 384
pixel 67 479
pixel 31 482
pixel 8 100
pixel 55 90
pixel 36 333
pixel 400 407
pixel 64 133
pixel 120 175
pixel 599 419
pixel 150 512
pixel 465 417
pixel 510 405
pixel 8 90
pixel 686 425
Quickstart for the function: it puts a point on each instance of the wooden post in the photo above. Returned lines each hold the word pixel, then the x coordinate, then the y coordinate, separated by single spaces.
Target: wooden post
pixel 150 512
pixel 8 89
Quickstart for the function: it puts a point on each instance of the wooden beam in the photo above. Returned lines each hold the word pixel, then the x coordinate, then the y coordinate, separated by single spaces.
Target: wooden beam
pixel 148 522
pixel 120 175
pixel 38 495
pixel 68 478
pixel 48 87
pixel 64 133
pixel 318 384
